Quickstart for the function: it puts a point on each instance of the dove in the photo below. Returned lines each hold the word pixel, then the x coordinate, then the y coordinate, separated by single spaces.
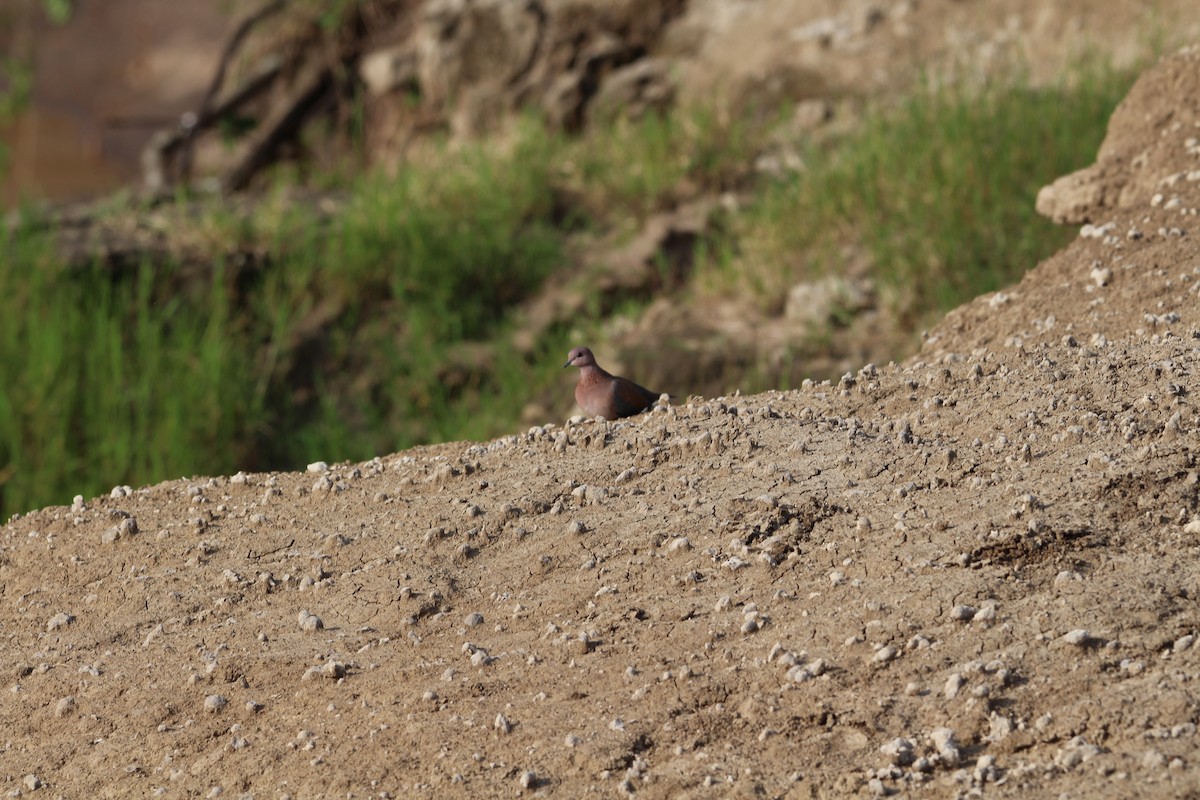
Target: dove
pixel 600 394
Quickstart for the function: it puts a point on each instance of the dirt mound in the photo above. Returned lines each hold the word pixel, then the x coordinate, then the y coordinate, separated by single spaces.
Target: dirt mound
pixel 972 572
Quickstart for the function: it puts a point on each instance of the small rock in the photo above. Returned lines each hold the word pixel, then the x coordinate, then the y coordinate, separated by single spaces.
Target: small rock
pixel 679 544
pixel 947 747
pixel 1078 637
pixel 900 751
pixel 65 706
pixel 214 703
pixel 1101 275
pixel 310 623
pixel 59 620
pixel 331 669
pixel 963 613
pixel 985 769
pixel 985 614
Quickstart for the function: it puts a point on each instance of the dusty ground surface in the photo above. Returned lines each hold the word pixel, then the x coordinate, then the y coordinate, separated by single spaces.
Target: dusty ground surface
pixel 975 572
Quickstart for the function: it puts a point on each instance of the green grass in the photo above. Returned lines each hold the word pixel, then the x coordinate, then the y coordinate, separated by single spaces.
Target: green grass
pixel 938 191
pixel 636 167
pixel 338 348
pixel 389 322
pixel 106 382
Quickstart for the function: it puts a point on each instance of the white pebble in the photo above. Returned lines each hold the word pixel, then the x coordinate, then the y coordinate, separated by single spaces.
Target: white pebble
pixel 885 654
pixel 899 750
pixel 318 466
pixel 64 706
pixel 943 739
pixel 59 620
pixel 679 544
pixel 985 614
pixel 331 669
pixel 985 769
pixel 1077 637
pixel 310 622
pixel 214 703
pixel 1066 576
pixel 962 613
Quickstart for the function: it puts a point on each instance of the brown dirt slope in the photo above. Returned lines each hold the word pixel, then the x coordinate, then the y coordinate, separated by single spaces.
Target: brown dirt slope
pixel 972 573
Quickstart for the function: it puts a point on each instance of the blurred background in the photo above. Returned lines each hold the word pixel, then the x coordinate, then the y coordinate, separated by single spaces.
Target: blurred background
pixel 99 79
pixel 250 235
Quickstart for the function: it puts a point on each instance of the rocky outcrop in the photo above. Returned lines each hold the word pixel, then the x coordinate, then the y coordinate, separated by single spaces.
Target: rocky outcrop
pixel 476 61
pixel 1139 207
pixel 469 63
pixel 1140 161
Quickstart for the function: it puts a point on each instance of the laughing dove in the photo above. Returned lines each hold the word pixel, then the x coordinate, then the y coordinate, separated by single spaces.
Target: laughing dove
pixel 603 395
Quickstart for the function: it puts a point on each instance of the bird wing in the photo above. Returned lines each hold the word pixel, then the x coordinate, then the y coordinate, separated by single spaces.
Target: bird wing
pixel 629 398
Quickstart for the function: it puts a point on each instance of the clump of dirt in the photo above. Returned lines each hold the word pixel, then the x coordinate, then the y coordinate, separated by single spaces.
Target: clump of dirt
pixel 975 571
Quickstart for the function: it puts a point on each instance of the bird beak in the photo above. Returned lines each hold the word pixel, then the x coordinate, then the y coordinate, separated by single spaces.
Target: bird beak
pixel 567 364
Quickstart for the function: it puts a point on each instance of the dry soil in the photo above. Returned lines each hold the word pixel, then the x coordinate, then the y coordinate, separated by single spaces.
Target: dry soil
pixel 973 573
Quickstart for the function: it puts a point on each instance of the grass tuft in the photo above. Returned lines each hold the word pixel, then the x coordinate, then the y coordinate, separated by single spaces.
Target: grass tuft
pixel 937 190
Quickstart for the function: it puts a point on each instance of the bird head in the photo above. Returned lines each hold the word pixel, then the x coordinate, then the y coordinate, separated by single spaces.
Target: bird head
pixel 580 357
